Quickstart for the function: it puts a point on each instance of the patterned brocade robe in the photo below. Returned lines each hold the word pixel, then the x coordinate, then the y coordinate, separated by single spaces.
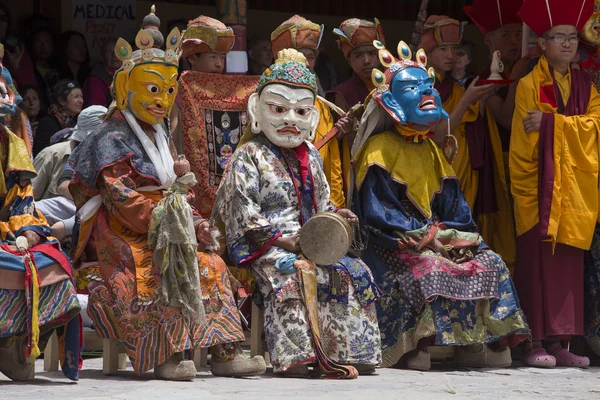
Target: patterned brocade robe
pixel 123 300
pixel 439 280
pixel 262 203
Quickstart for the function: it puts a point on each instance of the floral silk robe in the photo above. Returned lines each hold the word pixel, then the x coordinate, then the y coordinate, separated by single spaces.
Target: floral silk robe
pixel 261 204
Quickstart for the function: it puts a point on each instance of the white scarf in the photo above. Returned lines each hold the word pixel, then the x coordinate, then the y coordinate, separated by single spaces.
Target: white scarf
pixel 161 159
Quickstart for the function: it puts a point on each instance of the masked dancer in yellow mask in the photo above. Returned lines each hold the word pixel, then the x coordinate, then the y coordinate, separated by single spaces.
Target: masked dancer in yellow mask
pixel 121 173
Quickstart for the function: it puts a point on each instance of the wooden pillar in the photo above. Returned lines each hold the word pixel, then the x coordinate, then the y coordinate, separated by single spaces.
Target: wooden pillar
pixel 234 13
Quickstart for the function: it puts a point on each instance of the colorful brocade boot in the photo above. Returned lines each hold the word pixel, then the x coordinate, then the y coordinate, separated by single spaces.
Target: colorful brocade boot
pixel 228 359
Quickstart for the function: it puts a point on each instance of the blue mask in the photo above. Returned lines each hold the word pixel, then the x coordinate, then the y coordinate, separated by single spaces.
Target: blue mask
pixel 9 98
pixel 411 98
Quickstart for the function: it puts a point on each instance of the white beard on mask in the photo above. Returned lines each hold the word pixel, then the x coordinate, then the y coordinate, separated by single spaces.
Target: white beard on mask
pixel 286 115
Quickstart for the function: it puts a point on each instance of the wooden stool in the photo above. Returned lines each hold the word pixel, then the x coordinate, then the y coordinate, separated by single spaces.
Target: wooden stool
pixel 91 341
pixel 201 358
pixel 114 357
pixel 257 334
pixel 51 354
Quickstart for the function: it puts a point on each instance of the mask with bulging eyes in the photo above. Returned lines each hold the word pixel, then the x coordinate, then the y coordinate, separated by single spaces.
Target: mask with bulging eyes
pixel 286 115
pixel 9 98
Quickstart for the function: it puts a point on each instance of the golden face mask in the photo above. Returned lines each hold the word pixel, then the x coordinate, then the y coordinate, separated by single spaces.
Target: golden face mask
pixel 146 83
pixel 591 31
pixel 148 91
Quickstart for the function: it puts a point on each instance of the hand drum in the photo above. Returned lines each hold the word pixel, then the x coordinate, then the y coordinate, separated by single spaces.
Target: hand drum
pixel 325 238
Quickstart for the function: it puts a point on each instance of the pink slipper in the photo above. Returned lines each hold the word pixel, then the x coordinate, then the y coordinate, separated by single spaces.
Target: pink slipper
pixel 564 358
pixel 538 358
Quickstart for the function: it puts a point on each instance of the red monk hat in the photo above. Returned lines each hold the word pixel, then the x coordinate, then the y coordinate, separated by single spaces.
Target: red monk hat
pixel 490 15
pixel 543 15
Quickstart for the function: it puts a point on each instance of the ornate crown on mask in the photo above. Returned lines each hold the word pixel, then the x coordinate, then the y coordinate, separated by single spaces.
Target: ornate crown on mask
pixel 146 39
pixel 289 69
pixel 392 65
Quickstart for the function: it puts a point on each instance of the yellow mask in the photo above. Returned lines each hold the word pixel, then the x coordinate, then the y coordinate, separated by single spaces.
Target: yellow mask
pixel 148 91
pixel 591 31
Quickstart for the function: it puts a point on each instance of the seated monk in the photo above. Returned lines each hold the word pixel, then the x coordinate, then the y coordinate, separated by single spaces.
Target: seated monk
pixel 37 293
pixel 323 315
pixel 121 174
pixel 442 285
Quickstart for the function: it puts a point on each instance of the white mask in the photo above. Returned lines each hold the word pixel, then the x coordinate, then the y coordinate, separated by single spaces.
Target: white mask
pixel 286 115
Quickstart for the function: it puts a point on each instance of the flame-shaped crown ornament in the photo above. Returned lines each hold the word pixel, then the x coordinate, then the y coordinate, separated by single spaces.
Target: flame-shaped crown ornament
pixel 146 39
pixel 393 65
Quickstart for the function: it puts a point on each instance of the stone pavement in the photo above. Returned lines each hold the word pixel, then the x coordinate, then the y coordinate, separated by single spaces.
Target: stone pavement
pixel 444 382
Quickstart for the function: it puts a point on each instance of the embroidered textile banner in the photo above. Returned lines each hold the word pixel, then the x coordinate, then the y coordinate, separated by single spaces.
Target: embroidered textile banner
pixel 214 116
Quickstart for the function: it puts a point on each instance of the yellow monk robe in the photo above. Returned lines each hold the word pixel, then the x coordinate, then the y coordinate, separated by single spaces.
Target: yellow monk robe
pixel 574 207
pixel 497 228
pixel 332 163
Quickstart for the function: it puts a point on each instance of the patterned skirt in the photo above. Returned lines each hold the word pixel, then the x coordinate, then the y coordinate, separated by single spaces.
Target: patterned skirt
pixel 57 310
pixel 347 315
pixel 426 296
pixel 152 333
pixel 58 305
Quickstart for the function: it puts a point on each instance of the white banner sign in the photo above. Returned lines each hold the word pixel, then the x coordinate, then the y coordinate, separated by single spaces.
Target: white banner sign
pixel 99 20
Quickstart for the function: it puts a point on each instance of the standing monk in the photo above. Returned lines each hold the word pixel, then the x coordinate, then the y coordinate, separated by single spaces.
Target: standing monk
pixel 554 169
pixel 503 30
pixel 305 36
pixel 121 174
pixel 479 165
pixel 356 38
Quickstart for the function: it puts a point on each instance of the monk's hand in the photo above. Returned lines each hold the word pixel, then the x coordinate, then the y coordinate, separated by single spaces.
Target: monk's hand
pixel 347 214
pixel 345 125
pixel 289 243
pixel 33 239
pixel 475 93
pixel 203 235
pixel 533 121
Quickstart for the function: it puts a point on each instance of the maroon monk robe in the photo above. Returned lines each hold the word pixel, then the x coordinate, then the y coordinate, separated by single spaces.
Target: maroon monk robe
pixel 550 286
